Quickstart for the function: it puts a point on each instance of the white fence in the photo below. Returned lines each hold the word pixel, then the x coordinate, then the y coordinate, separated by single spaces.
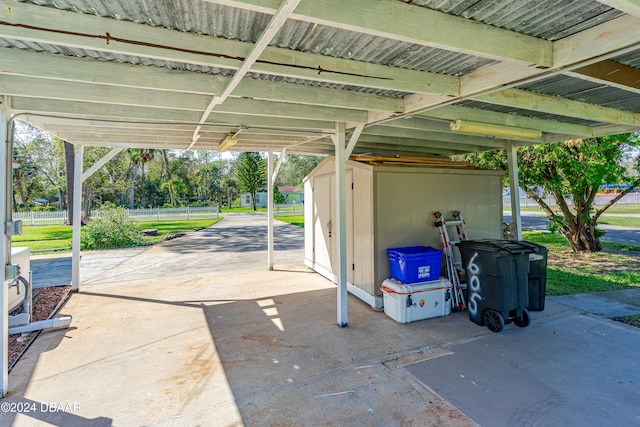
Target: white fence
pixel 152 214
pixel 601 199
pixel 288 210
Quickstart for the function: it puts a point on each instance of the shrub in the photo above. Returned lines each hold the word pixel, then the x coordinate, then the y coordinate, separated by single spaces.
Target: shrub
pixel 112 229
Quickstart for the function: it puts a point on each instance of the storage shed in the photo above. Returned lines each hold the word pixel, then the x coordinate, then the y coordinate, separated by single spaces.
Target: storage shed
pixel 390 206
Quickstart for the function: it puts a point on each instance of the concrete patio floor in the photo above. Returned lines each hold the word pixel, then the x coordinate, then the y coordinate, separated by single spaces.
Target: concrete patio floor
pixel 196 331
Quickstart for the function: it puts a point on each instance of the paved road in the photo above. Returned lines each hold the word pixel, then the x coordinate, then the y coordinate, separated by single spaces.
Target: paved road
pixel 615 234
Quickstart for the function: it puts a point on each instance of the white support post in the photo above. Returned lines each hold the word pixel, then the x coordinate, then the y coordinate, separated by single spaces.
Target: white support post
pixel 277 170
pixel 97 165
pixel 354 139
pixel 270 182
pixel 5 247
pixel 77 218
pixel 341 224
pixel 514 183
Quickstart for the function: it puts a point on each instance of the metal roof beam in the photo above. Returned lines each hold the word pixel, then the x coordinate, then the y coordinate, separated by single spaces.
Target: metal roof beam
pixel 408 23
pixel 399 132
pixel 67 70
pixel 175 46
pixel 277 21
pixel 456 112
pixel 88 110
pixel 84 92
pixel 527 100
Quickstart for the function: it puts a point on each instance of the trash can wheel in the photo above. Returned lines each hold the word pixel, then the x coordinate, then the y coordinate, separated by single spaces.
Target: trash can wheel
pixel 524 320
pixel 493 320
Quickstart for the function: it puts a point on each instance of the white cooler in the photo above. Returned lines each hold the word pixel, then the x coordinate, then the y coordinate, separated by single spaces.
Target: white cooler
pixel 408 303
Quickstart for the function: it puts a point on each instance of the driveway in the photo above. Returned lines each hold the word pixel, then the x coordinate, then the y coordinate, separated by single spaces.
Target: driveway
pixel 614 234
pixel 197 331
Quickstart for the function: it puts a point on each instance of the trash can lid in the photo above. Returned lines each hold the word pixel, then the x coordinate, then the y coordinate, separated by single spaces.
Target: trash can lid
pixel 535 247
pixel 490 245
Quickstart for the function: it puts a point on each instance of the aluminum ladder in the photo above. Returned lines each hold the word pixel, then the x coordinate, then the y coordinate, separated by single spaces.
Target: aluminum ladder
pixel 457 302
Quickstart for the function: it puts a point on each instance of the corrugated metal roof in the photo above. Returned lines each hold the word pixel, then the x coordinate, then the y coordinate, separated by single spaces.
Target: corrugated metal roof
pixel 222 21
pixel 313 83
pixel 110 56
pixel 547 19
pixel 199 17
pixel 346 44
pixel 631 59
pixel 586 91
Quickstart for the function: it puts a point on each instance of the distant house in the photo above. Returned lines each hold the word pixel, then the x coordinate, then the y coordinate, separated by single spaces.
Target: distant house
pixel 292 195
pixel 245 200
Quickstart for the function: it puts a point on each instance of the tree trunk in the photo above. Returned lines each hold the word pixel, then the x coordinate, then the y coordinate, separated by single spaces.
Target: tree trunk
pixel 172 194
pixel 23 196
pixel 69 158
pixel 583 238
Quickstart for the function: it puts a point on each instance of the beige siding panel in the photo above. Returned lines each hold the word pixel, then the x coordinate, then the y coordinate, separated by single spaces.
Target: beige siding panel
pixel 405 200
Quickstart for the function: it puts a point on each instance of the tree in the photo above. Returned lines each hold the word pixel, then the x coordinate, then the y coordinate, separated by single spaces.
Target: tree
pixel 41 162
pixel 70 163
pixel 230 188
pixel 572 171
pixel 139 157
pixel 170 183
pixel 251 172
pixel 278 197
pixel 295 167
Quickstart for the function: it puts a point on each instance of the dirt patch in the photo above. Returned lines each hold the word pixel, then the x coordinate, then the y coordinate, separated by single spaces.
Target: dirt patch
pixel 47 303
pixel 620 260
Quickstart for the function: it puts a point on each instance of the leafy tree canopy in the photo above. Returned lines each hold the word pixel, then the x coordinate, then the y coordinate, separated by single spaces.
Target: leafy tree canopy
pixel 572 172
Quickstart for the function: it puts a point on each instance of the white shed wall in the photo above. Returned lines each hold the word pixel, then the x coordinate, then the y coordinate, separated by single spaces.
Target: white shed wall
pixel 393 207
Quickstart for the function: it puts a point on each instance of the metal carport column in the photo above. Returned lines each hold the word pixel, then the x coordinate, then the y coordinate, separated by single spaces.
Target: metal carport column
pixel 516 219
pixel 78 178
pixel 341 215
pixel 5 247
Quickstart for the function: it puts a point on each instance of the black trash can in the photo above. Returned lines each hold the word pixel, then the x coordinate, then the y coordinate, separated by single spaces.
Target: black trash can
pixel 537 278
pixel 497 282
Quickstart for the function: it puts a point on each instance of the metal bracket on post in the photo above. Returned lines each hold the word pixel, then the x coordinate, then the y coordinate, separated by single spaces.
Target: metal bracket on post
pixel 13 228
pixel 11 271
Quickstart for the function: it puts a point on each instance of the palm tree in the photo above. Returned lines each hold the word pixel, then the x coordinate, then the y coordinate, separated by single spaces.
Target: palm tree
pixel 172 193
pixel 139 157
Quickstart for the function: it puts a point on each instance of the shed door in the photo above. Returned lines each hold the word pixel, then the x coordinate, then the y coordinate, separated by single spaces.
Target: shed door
pixel 323 220
pixel 325 226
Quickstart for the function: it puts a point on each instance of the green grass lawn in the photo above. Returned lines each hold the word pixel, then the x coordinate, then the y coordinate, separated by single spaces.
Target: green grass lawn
pixel 616 267
pixel 292 219
pixel 623 221
pixel 56 237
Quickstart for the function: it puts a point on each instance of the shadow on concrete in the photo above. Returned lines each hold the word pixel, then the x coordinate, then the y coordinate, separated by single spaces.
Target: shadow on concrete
pixel 287 363
pixel 59 414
